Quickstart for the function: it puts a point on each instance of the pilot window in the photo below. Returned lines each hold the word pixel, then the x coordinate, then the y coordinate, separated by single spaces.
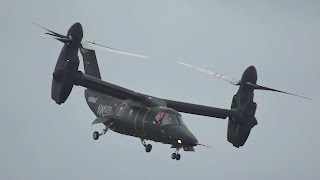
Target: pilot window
pixel 163 119
pixel 159 117
pixel 169 119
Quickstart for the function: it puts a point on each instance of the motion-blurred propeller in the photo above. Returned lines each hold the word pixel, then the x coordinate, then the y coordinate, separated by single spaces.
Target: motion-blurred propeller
pixel 85 44
pixel 235 81
pixel 94 46
pixel 231 80
pixel 258 87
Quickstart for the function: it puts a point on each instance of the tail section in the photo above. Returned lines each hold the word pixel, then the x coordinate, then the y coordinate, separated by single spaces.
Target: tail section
pixel 91 68
pixel 90 63
pixel 66 70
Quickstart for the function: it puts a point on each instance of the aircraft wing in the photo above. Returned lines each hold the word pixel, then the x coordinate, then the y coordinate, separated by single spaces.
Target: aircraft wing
pixel 200 109
pixel 123 93
pixel 106 88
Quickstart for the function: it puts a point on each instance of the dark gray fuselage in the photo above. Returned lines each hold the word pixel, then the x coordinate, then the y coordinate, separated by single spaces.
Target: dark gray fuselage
pixel 129 118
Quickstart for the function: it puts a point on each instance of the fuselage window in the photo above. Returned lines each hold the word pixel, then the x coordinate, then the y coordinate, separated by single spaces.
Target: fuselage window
pixel 169 119
pixel 159 117
pixel 163 118
pixel 181 121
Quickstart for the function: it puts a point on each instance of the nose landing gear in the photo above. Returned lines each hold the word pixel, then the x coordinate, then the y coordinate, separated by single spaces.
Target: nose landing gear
pixel 176 155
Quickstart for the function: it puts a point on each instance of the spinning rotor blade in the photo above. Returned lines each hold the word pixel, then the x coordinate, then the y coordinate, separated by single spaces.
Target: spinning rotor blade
pixel 231 80
pixel 52 33
pixel 258 87
pixel 235 81
pixel 94 46
pixel 85 44
pixel 62 39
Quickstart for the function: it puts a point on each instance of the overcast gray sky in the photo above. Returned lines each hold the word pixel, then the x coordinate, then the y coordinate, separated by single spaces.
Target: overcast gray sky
pixel 42 140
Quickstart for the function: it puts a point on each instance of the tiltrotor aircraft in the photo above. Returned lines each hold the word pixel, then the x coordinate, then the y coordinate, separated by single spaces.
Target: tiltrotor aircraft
pixel 146 117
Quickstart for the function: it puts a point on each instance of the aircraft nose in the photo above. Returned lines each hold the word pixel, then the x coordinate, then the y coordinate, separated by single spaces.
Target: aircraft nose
pixel 189 139
pixel 181 135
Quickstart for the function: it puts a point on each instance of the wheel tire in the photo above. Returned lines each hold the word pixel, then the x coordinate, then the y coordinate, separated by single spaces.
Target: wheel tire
pixel 173 155
pixel 96 135
pixel 178 156
pixel 148 147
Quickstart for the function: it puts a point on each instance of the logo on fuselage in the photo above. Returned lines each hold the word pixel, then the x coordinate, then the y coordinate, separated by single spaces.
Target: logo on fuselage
pixel 121 108
pixel 104 110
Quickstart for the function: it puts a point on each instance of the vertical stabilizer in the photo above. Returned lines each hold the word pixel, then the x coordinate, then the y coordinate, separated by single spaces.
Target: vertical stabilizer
pixel 90 63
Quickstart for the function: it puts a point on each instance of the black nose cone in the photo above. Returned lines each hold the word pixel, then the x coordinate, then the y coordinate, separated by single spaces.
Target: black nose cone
pixel 189 139
pixel 180 135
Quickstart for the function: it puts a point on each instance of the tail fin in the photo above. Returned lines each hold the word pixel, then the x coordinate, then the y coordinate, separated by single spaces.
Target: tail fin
pixel 90 63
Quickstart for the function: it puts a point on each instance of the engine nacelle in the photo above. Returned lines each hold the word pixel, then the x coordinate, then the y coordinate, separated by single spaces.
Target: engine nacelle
pixel 239 127
pixel 67 66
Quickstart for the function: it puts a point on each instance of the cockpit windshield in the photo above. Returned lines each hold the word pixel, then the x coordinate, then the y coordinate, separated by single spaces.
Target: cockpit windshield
pixel 164 118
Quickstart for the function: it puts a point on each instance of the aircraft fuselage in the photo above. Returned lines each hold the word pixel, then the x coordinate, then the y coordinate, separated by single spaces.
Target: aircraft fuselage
pixel 131 118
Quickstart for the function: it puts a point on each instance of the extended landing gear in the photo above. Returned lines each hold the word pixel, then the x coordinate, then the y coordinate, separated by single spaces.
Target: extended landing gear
pixel 148 147
pixel 96 134
pixel 176 155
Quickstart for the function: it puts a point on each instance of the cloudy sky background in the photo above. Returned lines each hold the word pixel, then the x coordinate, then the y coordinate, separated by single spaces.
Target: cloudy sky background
pixel 42 140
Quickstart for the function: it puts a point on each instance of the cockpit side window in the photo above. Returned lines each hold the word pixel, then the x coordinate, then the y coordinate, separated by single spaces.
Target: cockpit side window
pixel 169 119
pixel 181 122
pixel 164 118
pixel 159 117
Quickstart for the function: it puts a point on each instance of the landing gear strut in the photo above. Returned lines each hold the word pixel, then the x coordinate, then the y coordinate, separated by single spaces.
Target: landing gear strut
pixel 96 134
pixel 176 155
pixel 148 147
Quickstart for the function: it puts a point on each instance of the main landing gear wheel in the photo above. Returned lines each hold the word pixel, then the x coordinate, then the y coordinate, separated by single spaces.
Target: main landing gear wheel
pixel 176 155
pixel 148 147
pixel 96 135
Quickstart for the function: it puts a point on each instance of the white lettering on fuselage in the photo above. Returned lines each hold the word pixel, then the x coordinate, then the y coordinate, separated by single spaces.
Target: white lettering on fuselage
pixel 104 110
pixel 92 99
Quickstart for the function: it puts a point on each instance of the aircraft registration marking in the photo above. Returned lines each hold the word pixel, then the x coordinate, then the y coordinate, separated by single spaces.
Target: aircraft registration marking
pixel 104 110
